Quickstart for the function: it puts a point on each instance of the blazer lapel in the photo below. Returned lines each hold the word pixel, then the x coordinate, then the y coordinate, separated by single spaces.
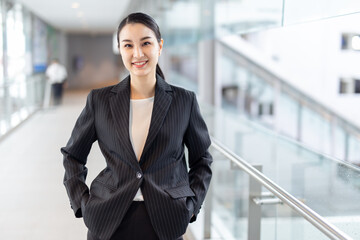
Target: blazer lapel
pixel 162 102
pixel 120 107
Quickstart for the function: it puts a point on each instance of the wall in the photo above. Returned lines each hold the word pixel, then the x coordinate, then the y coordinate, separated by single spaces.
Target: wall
pixel 91 62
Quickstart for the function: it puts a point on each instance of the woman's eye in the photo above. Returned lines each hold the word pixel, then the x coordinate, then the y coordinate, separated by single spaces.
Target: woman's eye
pixel 146 43
pixel 127 45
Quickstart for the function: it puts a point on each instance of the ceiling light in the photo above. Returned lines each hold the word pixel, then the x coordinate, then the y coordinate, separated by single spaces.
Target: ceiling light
pixel 355 42
pixel 75 5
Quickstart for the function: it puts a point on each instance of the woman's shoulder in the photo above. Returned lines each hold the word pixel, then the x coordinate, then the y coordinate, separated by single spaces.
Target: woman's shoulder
pixel 182 92
pixel 103 92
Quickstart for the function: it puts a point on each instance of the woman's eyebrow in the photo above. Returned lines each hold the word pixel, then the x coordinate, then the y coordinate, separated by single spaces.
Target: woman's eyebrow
pixel 142 39
pixel 147 37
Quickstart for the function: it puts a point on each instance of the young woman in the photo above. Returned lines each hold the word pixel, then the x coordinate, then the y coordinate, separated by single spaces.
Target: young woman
pixel 142 125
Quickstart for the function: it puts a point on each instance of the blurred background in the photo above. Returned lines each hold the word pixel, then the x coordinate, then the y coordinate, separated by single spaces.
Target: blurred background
pixel 278 83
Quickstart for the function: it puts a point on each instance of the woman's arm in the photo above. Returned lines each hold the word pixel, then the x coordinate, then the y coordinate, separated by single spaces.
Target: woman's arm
pixel 197 141
pixel 75 157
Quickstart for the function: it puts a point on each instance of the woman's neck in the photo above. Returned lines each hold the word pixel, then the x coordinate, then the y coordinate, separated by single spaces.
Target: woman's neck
pixel 142 87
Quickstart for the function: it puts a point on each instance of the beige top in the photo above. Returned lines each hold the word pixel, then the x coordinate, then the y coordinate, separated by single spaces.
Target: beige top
pixel 139 120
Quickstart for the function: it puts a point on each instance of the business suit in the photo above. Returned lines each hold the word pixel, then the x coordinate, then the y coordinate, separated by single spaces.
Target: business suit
pixel 171 193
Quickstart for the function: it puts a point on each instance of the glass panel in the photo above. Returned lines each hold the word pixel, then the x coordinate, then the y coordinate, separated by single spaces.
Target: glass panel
pixel 230 209
pixel 183 63
pixel 289 225
pixel 287 116
pixel 296 11
pixel 39 53
pixel 295 63
pixel 207 19
pixel 229 200
pixel 1 49
pixel 217 18
pixel 325 185
pixel 27 22
pixel 177 29
pixel 239 16
pixel 15 42
pixel 354 150
pixel 315 130
pixel 23 92
pixel 339 141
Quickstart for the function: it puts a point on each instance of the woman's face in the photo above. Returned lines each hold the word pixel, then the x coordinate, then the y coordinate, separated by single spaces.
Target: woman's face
pixel 139 49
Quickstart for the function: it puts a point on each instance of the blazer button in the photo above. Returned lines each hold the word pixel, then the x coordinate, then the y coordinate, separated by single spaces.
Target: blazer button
pixel 138 175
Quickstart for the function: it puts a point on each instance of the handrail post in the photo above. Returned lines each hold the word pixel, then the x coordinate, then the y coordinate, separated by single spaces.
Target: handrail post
pixel 254 215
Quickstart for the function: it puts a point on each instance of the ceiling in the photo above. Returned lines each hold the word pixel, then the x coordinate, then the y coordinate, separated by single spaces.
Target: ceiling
pixel 80 16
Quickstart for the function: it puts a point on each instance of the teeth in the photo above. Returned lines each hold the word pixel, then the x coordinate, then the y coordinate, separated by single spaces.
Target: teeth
pixel 140 63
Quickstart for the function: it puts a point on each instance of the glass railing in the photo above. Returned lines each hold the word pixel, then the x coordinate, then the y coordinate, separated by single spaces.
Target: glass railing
pixel 317 199
pixel 261 91
pixel 327 185
pixel 19 99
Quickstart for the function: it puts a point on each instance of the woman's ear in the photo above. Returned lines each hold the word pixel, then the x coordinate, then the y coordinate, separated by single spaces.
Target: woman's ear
pixel 161 46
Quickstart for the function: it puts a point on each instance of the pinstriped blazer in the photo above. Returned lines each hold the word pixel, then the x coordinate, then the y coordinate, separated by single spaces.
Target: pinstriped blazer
pixel 173 195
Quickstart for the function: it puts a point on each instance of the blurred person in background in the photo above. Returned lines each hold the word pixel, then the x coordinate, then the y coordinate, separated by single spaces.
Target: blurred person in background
pixel 57 74
pixel 142 126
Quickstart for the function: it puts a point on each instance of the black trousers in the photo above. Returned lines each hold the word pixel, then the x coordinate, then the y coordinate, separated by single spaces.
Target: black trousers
pixel 57 90
pixel 136 225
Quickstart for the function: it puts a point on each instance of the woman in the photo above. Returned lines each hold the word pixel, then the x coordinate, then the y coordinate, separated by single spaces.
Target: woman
pixel 141 125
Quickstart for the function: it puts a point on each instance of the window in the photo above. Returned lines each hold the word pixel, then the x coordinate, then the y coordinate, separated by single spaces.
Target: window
pixel 349 85
pixel 350 41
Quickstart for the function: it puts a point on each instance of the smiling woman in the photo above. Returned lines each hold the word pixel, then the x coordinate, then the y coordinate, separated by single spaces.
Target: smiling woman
pixel 140 45
pixel 142 126
pixel 140 51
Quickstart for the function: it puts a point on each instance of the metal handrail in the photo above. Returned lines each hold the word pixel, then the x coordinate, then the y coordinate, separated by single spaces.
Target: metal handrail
pixel 311 216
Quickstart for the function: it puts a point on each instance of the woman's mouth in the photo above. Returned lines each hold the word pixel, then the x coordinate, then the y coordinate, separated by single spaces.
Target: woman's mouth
pixel 139 64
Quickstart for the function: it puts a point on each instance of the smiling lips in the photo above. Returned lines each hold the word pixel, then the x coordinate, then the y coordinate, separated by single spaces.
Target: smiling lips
pixel 139 64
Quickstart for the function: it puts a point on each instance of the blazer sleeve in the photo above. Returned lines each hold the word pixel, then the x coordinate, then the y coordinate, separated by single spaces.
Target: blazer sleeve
pixel 197 141
pixel 75 156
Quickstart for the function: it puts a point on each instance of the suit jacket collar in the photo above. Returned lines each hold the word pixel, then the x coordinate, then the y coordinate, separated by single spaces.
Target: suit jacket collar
pixel 120 107
pixel 124 85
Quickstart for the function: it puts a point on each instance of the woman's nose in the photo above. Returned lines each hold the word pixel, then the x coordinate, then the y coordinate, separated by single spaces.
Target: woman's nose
pixel 138 52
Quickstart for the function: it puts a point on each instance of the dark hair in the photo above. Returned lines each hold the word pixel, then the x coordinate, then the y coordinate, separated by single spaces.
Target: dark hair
pixel 148 22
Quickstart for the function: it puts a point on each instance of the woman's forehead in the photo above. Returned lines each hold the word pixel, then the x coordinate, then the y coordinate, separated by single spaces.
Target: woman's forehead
pixel 135 31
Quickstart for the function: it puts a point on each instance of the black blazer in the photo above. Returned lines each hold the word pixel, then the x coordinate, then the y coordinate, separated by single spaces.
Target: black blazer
pixel 172 194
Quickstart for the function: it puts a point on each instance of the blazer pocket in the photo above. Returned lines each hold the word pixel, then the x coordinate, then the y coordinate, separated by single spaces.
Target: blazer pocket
pixel 108 186
pixel 104 178
pixel 180 191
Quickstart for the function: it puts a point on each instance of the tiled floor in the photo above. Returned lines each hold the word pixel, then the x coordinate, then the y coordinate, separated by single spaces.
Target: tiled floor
pixel 33 200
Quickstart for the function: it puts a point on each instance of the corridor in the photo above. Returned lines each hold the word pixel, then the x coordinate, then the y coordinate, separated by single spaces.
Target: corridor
pixel 34 200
